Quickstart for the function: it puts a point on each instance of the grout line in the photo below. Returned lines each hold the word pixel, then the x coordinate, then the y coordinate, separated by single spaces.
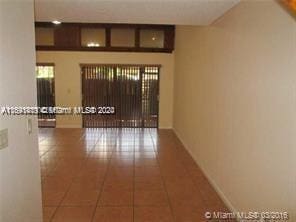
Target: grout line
pixel 52 216
pixel 134 173
pixel 102 186
pixel 56 207
pixel 64 196
pixel 59 205
pixel 135 136
pixel 162 178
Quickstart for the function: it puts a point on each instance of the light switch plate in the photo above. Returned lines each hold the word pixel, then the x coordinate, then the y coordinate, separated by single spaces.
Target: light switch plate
pixel 3 139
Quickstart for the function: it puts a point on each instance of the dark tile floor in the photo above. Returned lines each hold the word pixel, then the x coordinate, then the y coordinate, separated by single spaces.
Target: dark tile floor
pixel 121 175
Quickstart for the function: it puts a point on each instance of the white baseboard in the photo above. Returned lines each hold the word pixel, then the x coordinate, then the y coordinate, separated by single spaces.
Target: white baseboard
pixel 211 180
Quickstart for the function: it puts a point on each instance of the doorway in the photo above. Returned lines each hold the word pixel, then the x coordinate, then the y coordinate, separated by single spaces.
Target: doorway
pixel 131 89
pixel 45 93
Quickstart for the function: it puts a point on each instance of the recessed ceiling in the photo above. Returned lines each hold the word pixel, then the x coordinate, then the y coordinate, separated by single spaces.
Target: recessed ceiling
pixel 178 12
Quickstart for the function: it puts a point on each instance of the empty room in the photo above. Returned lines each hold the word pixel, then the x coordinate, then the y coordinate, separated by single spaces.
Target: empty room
pixel 147 111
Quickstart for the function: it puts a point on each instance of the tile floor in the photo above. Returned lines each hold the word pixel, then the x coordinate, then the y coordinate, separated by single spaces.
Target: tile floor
pixel 121 175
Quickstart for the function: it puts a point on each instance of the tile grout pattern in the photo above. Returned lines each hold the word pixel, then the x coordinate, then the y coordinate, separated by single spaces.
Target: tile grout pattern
pixel 170 206
pixel 121 175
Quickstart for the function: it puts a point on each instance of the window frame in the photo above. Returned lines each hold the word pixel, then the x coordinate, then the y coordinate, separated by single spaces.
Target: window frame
pixel 169 37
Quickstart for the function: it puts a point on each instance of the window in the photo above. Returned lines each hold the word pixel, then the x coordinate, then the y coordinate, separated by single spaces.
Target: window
pixel 105 37
pixel 45 93
pixel 93 37
pixel 122 37
pixel 44 36
pixel 44 71
pixel 151 38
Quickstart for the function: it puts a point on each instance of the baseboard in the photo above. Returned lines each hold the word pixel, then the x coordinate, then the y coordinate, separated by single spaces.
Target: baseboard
pixel 165 127
pixel 212 181
pixel 69 126
pixel 79 126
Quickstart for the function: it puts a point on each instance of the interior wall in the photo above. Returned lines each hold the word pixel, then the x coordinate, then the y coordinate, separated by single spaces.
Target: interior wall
pixel 234 106
pixel 20 185
pixel 68 79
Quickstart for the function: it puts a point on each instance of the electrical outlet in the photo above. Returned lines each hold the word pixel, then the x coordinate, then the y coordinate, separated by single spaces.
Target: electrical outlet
pixel 3 139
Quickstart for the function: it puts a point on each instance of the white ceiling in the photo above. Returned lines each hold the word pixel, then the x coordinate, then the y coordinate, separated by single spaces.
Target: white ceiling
pixel 179 12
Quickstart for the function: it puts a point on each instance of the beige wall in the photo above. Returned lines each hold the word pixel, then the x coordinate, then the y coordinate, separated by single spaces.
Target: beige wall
pixel 234 105
pixel 20 185
pixel 68 79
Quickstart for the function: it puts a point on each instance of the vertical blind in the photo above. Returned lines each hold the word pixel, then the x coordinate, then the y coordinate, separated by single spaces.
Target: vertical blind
pixel 131 89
